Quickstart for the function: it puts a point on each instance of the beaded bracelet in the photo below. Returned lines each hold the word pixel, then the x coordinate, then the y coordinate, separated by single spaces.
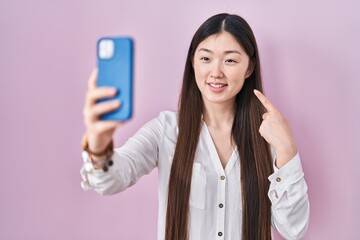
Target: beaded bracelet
pixel 104 164
pixel 108 152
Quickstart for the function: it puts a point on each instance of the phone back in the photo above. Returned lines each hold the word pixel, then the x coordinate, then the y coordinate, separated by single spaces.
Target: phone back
pixel 115 69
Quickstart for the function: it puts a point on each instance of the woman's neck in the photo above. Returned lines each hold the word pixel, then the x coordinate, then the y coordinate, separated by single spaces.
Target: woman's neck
pixel 218 116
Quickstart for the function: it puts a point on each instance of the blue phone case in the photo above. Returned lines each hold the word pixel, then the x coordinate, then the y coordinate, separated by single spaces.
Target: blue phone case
pixel 115 69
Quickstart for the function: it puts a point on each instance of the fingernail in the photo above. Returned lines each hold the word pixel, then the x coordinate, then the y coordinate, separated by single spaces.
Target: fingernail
pixel 114 91
pixel 117 103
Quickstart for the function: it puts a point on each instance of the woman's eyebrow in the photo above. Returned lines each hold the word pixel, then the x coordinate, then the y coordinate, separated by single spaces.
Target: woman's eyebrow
pixel 232 51
pixel 226 52
pixel 205 50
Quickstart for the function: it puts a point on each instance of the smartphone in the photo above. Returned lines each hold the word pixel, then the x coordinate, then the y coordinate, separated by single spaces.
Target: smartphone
pixel 115 69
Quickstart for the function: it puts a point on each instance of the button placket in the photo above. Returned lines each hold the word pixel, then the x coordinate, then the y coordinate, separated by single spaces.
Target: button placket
pixel 220 207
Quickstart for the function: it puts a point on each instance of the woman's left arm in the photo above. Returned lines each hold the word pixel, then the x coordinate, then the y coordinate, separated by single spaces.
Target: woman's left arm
pixel 288 190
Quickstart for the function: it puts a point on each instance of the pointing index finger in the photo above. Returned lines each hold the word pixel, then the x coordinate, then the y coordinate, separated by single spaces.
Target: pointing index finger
pixel 267 104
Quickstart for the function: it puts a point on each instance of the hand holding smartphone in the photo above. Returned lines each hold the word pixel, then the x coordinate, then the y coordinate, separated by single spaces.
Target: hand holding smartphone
pixel 115 69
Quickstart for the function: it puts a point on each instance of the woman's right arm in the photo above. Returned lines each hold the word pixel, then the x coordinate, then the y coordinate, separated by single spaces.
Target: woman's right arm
pixel 137 157
pixel 99 132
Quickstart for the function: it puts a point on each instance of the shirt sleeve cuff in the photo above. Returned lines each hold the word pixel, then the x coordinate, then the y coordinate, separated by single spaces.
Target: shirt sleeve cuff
pixel 293 166
pixel 285 177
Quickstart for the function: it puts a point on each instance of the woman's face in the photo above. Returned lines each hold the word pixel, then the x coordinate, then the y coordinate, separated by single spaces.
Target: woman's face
pixel 221 67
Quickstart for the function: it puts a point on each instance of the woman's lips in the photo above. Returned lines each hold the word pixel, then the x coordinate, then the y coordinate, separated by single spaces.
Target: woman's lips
pixel 217 87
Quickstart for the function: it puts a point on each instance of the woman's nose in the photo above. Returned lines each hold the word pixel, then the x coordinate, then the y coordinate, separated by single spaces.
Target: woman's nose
pixel 217 72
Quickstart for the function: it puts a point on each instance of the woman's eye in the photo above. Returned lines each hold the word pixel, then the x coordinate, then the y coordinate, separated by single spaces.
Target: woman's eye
pixel 230 61
pixel 206 59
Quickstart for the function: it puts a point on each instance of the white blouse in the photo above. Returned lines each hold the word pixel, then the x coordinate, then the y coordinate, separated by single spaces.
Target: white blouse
pixel 215 198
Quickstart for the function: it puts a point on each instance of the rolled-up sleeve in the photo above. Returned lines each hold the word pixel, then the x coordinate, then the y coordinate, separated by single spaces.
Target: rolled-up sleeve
pixel 289 198
pixel 137 157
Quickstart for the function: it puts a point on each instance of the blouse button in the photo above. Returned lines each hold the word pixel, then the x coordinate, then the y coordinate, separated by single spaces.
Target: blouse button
pixel 221 205
pixel 222 177
pixel 220 234
pixel 278 179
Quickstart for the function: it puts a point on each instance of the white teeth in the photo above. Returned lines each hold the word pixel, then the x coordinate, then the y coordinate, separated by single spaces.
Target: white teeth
pixel 216 85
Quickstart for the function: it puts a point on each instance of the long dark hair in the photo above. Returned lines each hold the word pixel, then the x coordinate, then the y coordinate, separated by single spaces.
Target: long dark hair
pixel 254 152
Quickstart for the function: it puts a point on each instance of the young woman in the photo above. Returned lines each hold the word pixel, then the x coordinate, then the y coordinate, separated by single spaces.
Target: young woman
pixel 227 160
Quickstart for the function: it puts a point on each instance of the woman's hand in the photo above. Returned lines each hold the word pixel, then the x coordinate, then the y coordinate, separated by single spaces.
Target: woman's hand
pixel 276 130
pixel 98 132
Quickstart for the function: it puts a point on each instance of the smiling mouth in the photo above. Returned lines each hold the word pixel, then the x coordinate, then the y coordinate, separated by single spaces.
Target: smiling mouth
pixel 217 85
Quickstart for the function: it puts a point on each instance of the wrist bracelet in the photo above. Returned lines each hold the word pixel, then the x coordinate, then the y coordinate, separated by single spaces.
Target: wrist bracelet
pixel 85 147
pixel 104 164
pixel 108 152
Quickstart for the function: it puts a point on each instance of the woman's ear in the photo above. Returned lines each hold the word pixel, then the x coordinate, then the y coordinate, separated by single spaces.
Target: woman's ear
pixel 251 68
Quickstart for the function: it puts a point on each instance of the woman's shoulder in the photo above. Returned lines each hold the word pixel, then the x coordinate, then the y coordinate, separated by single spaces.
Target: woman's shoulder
pixel 165 119
pixel 169 119
pixel 164 125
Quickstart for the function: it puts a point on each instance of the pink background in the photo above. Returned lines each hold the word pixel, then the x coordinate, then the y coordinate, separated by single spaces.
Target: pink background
pixel 310 61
